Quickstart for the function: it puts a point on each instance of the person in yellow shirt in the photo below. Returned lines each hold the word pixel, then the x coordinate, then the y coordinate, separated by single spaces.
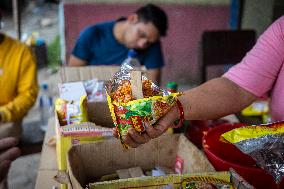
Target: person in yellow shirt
pixel 19 88
pixel 18 83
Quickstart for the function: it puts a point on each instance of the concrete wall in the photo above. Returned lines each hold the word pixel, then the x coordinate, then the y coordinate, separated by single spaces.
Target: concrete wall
pixel 278 9
pixel 257 15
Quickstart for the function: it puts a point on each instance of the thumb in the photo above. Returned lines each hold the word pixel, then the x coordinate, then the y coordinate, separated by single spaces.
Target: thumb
pixel 115 132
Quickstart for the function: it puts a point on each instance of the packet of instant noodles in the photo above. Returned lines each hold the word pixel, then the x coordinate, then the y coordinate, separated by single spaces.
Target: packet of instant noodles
pixel 70 112
pixel 264 143
pixel 134 100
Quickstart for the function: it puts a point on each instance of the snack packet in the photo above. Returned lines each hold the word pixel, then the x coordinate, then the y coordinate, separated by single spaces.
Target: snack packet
pixel 135 100
pixel 207 180
pixel 264 143
pixel 70 112
pixel 95 90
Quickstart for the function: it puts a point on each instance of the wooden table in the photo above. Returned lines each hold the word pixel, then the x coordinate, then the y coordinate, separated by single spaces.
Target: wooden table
pixel 48 163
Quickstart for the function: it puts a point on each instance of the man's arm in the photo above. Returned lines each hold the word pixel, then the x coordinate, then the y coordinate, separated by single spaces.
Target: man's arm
pixel 154 75
pixel 75 61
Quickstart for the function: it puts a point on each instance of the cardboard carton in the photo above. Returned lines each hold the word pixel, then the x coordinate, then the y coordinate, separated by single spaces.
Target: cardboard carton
pixel 88 162
pixel 72 90
pixel 98 112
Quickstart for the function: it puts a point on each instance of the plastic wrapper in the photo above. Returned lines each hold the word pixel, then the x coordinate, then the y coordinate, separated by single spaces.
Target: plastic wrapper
pixel 264 143
pixel 129 111
pixel 70 112
pixel 95 90
pixel 213 180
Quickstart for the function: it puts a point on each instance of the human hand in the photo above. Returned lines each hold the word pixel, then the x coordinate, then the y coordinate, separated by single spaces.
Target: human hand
pixel 135 139
pixel 8 153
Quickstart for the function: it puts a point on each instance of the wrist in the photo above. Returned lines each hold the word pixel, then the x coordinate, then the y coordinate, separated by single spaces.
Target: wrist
pixel 181 115
pixel 174 113
pixel 177 113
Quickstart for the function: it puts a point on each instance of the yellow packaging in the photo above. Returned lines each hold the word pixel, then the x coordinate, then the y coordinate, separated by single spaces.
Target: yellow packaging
pixel 249 132
pixel 70 112
pixel 138 112
pixel 184 181
pixel 70 135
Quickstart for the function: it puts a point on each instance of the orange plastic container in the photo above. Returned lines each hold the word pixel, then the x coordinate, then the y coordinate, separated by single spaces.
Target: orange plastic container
pixel 224 155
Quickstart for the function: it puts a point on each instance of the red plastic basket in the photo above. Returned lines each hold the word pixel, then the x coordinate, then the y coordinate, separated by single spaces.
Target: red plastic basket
pixel 224 155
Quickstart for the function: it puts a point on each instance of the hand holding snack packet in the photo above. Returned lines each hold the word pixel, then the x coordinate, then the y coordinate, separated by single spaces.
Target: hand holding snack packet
pixel 136 103
pixel 134 139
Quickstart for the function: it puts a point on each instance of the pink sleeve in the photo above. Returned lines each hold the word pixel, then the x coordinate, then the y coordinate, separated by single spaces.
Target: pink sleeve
pixel 258 70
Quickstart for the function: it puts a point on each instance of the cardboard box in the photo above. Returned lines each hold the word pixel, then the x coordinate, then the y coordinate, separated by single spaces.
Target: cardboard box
pixel 83 133
pixel 90 161
pixel 72 90
pixel 45 180
pixel 98 112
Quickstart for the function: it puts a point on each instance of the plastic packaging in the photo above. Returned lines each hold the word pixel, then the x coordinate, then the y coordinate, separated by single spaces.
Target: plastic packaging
pixel 95 90
pixel 71 112
pixel 264 143
pixel 45 105
pixel 136 101
pixel 172 87
pixel 131 61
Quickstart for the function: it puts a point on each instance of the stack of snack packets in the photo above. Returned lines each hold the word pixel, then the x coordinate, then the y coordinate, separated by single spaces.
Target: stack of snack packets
pixel 135 101
pixel 264 143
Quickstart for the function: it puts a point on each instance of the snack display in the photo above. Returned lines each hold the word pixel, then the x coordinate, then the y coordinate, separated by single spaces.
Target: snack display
pixel 127 110
pixel 70 112
pixel 264 143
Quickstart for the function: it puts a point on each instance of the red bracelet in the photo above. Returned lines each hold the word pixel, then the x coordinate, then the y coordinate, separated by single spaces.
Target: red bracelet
pixel 181 114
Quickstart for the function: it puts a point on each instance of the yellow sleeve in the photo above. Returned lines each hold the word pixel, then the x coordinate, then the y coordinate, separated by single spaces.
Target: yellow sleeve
pixel 27 89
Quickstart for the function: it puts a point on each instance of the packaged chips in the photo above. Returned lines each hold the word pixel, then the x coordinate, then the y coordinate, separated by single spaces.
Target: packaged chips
pixel 70 112
pixel 264 143
pixel 135 101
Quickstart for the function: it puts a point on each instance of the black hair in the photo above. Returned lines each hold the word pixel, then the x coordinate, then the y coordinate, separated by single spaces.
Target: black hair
pixel 154 14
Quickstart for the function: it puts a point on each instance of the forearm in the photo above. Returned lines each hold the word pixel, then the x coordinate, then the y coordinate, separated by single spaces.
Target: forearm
pixel 74 61
pixel 215 99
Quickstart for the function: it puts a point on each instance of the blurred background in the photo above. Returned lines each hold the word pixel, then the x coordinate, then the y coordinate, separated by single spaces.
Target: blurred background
pixel 50 28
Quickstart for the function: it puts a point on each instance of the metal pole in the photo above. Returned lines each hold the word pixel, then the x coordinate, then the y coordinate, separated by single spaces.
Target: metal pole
pixel 17 18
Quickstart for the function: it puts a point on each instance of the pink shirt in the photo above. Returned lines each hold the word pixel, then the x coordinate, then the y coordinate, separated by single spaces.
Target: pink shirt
pixel 261 71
